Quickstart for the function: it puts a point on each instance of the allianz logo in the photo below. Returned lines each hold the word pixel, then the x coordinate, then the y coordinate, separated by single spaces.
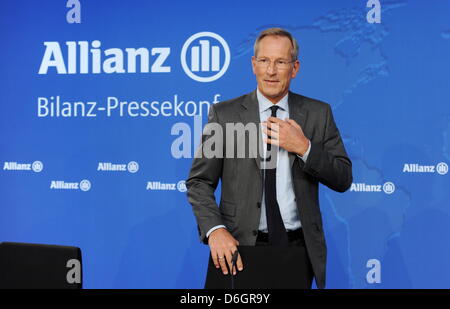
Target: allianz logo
pixel 84 185
pixel 440 168
pixel 131 167
pixel 205 57
pixel 387 187
pixel 161 186
pixel 36 166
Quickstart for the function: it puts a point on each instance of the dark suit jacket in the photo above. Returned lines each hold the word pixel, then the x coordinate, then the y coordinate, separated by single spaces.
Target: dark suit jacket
pixel 242 187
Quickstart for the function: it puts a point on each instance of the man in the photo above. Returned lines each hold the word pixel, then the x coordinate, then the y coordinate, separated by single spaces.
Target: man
pixel 276 206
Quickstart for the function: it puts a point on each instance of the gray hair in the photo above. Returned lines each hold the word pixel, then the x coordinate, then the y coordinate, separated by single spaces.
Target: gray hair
pixel 278 32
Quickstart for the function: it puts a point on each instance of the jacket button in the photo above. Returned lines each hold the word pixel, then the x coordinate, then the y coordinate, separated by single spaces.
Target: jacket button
pixel 258 204
pixel 255 232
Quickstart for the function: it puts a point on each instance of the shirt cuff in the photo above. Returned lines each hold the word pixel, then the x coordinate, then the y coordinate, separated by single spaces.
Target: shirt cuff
pixel 215 228
pixel 305 155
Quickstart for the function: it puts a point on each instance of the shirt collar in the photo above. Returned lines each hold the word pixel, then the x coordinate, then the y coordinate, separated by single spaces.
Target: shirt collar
pixel 265 104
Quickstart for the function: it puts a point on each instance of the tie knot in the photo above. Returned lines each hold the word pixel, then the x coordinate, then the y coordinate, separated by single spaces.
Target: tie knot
pixel 274 110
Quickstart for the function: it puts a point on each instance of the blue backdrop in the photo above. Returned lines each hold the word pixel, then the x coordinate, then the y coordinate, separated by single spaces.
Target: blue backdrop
pixel 109 176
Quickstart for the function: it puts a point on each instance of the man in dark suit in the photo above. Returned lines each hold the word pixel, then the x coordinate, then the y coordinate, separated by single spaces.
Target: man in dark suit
pixel 276 205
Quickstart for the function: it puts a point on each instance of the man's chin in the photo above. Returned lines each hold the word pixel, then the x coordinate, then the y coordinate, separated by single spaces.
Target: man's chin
pixel 271 94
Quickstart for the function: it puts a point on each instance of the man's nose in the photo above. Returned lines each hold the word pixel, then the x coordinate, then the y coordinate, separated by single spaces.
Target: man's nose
pixel 271 68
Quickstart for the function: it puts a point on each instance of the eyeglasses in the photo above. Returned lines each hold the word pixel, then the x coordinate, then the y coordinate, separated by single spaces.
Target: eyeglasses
pixel 281 64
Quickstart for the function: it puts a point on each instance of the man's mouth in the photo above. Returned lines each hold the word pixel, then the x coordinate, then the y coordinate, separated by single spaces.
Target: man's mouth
pixel 271 82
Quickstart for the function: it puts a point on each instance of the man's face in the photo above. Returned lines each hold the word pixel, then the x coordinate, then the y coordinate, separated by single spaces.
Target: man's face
pixel 273 81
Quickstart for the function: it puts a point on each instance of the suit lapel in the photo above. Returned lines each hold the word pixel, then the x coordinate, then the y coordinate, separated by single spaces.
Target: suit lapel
pixel 296 113
pixel 250 114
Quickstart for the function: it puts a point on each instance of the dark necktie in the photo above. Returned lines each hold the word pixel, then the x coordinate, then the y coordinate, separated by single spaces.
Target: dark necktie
pixel 275 225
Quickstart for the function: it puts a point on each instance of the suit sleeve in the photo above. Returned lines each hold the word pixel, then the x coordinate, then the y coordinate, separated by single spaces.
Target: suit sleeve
pixel 328 160
pixel 202 182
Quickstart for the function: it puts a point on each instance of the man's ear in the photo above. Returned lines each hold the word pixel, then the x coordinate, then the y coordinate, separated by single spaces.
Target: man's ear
pixel 253 64
pixel 296 69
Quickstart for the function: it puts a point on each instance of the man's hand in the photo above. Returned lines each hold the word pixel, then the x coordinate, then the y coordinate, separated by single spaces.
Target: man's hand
pixel 286 134
pixel 223 245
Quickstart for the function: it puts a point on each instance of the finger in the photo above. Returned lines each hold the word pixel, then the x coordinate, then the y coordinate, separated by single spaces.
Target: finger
pixel 274 135
pixel 275 120
pixel 273 126
pixel 223 264
pixel 276 123
pixel 229 257
pixel 292 122
pixel 296 126
pixel 235 268
pixel 271 133
pixel 272 141
pixel 240 264
pixel 214 258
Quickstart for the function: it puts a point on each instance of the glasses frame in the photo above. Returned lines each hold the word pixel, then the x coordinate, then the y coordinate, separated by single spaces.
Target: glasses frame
pixel 269 62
